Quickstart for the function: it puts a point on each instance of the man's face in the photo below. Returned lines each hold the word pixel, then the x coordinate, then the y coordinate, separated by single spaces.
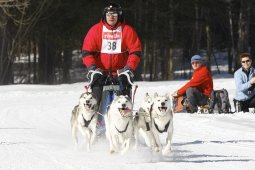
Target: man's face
pixel 111 18
pixel 196 65
pixel 246 62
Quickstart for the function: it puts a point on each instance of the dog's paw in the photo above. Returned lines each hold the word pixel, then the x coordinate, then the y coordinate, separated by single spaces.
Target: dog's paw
pixel 88 147
pixel 76 148
pixel 156 149
pixel 166 151
pixel 136 146
pixel 123 152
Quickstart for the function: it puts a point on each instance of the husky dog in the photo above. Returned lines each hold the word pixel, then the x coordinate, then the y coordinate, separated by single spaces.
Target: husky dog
pixel 118 124
pixel 162 120
pixel 142 121
pixel 84 118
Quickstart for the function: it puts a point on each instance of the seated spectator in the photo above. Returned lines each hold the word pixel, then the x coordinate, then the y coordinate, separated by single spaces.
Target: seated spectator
pixel 199 88
pixel 245 83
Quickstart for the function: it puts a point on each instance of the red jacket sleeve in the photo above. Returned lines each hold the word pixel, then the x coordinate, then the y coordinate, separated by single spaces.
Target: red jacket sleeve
pixel 134 47
pixel 89 47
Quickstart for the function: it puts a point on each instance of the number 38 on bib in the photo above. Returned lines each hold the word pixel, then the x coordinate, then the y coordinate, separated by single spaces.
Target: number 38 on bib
pixel 111 40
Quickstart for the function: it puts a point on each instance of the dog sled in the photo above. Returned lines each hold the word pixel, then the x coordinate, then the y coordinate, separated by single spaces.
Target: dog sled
pixel 180 104
pixel 218 103
pixel 113 88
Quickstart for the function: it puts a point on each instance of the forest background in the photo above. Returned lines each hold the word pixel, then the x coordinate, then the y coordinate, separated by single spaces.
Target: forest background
pixel 41 40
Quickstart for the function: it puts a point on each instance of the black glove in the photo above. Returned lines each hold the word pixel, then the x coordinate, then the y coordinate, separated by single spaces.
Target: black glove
pixel 94 74
pixel 127 72
pixel 90 71
pixel 126 69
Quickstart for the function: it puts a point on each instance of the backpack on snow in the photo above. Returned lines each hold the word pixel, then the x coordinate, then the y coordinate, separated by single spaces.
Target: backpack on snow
pixel 219 100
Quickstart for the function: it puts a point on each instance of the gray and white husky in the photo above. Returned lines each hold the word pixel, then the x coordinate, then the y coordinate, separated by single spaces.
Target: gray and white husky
pixel 142 122
pixel 118 124
pixel 162 120
pixel 84 118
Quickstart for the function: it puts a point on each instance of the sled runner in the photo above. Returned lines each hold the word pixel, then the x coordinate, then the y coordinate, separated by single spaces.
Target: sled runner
pixel 203 109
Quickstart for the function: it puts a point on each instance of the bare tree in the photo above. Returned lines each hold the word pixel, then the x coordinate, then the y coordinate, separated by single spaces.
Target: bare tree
pixel 243 28
pixel 16 22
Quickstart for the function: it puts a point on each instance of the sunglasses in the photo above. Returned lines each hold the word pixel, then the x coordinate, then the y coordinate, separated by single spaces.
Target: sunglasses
pixel 246 61
pixel 111 14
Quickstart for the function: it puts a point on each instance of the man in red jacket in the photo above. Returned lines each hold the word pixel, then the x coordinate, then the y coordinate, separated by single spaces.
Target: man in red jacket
pixel 110 48
pixel 199 88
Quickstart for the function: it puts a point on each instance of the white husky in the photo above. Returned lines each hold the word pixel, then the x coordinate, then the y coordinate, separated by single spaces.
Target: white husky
pixel 84 118
pixel 118 124
pixel 162 120
pixel 142 121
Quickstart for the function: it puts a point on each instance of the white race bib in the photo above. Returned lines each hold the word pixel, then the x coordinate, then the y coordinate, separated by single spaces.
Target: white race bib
pixel 111 40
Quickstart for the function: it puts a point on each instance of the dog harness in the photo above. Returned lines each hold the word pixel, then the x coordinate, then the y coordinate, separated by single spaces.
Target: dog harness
pixel 122 130
pixel 147 126
pixel 166 127
pixel 87 122
pixel 147 123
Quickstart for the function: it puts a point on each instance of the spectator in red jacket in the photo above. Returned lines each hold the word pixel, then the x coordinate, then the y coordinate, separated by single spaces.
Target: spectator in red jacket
pixel 110 48
pixel 199 88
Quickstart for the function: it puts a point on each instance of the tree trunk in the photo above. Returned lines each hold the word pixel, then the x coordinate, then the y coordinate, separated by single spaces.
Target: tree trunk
pixel 6 63
pixel 42 49
pixel 150 55
pixel 29 60
pixel 67 65
pixel 209 39
pixel 34 61
pixel 154 61
pixel 46 60
pixel 243 29
pixel 232 48
pixel 196 33
pixel 171 66
pixel 155 46
pixel 145 59
pixel 171 40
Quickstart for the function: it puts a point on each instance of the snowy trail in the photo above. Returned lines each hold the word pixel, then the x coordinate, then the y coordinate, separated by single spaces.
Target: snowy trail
pixel 35 134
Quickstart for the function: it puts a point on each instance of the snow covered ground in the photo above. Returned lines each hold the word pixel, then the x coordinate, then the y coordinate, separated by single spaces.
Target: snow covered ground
pixel 35 134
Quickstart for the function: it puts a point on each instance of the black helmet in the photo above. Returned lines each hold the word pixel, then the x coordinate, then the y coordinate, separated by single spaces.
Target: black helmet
pixel 115 7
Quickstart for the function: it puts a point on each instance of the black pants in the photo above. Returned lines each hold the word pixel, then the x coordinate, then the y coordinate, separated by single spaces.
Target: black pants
pixel 100 81
pixel 195 98
pixel 245 105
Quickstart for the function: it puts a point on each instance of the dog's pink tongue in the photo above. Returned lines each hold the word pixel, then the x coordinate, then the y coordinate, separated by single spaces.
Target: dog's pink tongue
pixel 126 110
pixel 162 109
